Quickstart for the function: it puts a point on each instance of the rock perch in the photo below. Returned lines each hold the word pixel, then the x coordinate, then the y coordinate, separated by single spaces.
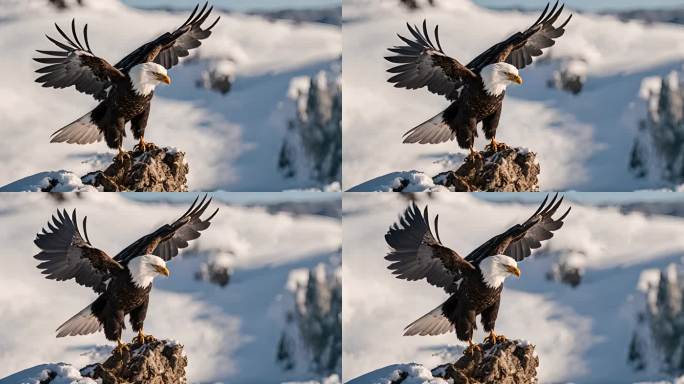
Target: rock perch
pixel 506 362
pixel 155 362
pixel 154 169
pixel 506 170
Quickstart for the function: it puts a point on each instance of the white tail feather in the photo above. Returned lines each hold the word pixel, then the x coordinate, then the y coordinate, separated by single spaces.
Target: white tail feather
pixel 81 131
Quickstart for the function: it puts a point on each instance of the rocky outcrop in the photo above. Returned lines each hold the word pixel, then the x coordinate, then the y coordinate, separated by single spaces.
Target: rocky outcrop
pixel 505 362
pixel 569 269
pixel 312 338
pixel 155 362
pixel 219 77
pixel 416 4
pixel 64 4
pixel 658 149
pixel 505 170
pixel 570 76
pixel 312 148
pixel 657 343
pixel 154 169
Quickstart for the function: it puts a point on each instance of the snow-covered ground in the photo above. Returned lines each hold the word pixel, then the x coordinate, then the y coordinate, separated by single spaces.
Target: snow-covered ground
pixel 230 333
pixel 581 334
pixel 232 142
pixel 583 142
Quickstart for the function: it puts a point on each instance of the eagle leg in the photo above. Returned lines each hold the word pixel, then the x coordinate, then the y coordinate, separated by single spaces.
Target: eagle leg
pixel 120 347
pixel 494 338
pixel 143 338
pixel 472 348
pixel 474 154
pixel 494 145
pixel 121 156
pixel 142 145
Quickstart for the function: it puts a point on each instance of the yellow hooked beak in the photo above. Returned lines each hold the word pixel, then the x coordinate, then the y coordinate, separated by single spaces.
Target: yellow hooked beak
pixel 163 78
pixel 515 78
pixel 162 270
pixel 513 270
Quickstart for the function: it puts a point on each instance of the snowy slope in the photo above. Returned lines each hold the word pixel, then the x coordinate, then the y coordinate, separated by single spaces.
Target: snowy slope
pixel 229 334
pixel 581 335
pixel 583 142
pixel 231 141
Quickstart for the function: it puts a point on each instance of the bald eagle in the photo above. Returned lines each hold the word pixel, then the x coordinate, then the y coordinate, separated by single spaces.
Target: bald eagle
pixel 477 89
pixel 123 282
pixel 475 282
pixel 124 90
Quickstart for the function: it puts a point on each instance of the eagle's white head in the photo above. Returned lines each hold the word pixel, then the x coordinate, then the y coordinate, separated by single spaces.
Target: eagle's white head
pixel 496 77
pixel 146 76
pixel 145 268
pixel 496 268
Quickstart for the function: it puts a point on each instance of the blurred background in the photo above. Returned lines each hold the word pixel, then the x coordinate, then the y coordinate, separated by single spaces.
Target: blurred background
pixel 256 108
pixel 257 298
pixel 602 108
pixel 601 300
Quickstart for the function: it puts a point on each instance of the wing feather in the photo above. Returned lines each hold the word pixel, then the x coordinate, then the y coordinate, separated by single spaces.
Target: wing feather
pixel 65 254
pixel 422 64
pixel 170 238
pixel 169 47
pixel 520 240
pixel 75 65
pixel 416 254
pixel 521 48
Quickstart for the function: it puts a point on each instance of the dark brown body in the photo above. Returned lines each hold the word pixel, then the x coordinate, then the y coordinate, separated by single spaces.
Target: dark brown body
pixel 471 107
pixel 122 105
pixel 472 298
pixel 121 298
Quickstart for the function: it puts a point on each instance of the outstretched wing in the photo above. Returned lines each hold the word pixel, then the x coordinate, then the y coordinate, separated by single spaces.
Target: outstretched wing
pixel 76 65
pixel 167 48
pixel 519 240
pixel 520 49
pixel 417 254
pixel 65 254
pixel 168 239
pixel 422 64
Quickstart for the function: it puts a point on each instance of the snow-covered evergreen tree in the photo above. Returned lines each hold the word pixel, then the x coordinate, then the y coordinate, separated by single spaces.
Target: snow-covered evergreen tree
pixel 312 338
pixel 658 149
pixel 658 341
pixel 312 149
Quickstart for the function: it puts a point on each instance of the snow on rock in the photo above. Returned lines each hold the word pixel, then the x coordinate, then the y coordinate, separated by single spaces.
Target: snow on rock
pixel 155 361
pixel 312 148
pixel 49 374
pixel 399 373
pixel 417 4
pixel 506 170
pixel 219 77
pixel 56 181
pixel 405 181
pixel 217 269
pixel 571 76
pixel 568 268
pixel 153 169
pixel 312 338
pixel 503 362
